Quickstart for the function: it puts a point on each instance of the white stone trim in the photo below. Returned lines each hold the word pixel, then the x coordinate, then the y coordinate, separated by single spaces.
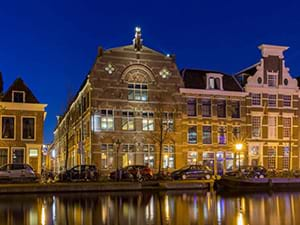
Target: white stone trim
pixel 23 106
pixel 212 92
pixel 273 50
pixel 12 95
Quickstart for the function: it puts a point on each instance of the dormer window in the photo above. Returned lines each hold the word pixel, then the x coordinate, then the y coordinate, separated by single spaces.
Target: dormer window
pixel 18 96
pixel 272 79
pixel 214 81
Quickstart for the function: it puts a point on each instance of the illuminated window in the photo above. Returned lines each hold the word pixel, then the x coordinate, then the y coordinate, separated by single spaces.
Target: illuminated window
pixel 104 121
pixel 206 136
pixel 128 120
pixel 169 157
pixel 137 92
pixel 148 121
pixel 129 154
pixel 33 153
pixel 272 100
pixel 107 156
pixel 272 127
pixel 286 122
pixel 271 158
pixel 168 121
pixel 256 99
pixel 256 126
pixel 222 135
pixel 192 135
pixel 192 158
pixel 149 155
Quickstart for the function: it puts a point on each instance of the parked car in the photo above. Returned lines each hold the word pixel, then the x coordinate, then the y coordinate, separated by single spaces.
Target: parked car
pixel 17 172
pixel 192 172
pixel 80 172
pixel 248 171
pixel 132 171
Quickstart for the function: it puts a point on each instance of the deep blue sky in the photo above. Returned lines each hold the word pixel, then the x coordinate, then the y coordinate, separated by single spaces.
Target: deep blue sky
pixel 53 44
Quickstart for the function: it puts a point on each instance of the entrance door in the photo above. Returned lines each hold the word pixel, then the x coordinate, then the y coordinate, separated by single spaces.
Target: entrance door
pixel 220 163
pixel 18 155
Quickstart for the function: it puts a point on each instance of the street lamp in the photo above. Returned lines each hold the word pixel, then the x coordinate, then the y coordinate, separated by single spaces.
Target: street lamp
pixel 239 147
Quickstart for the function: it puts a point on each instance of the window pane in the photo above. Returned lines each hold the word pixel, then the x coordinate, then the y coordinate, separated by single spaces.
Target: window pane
pixel 8 125
pixel 3 156
pixel 192 135
pixel 28 128
pixel 192 107
pixel 18 156
pixel 206 108
pixel 235 109
pixel 206 135
pixel 221 108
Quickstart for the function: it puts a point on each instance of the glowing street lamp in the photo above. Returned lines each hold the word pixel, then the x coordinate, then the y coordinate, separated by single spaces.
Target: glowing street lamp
pixel 239 147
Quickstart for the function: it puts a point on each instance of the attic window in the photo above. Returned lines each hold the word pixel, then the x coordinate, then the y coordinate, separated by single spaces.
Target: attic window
pixel 214 81
pixel 18 96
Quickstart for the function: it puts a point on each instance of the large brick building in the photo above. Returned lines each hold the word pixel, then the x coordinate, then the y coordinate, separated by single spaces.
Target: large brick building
pixel 22 123
pixel 136 107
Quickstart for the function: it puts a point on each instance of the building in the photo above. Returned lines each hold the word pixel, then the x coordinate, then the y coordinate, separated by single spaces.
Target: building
pixel 22 123
pixel 136 107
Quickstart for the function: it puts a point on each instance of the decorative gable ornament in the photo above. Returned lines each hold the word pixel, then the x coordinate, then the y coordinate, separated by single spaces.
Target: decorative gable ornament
pixel 109 68
pixel 165 73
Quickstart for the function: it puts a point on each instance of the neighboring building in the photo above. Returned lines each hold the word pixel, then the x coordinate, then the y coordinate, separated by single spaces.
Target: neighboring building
pixel 22 123
pixel 134 107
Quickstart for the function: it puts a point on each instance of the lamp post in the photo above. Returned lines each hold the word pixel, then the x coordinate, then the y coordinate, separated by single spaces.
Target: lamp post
pixel 239 147
pixel 118 143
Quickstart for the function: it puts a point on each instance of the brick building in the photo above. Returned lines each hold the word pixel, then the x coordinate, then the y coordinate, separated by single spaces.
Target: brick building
pixel 22 123
pixel 136 107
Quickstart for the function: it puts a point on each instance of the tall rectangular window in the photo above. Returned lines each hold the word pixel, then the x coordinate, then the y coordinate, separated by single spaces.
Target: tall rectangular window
pixel 168 121
pixel 192 107
pixel 129 154
pixel 206 107
pixel 221 108
pixel 28 125
pixel 272 100
pixel 272 81
pixel 271 158
pixel 272 127
pixel 206 136
pixel 256 126
pixel 255 99
pixel 8 127
pixel 192 135
pixel 107 156
pixel 3 156
pixel 137 92
pixel 18 156
pixel 222 139
pixel 286 101
pixel 235 105
pixel 148 121
pixel 286 158
pixel 192 157
pixel 169 157
pixel 149 155
pixel 286 123
pixel 104 121
pixel 128 120
pixel 236 131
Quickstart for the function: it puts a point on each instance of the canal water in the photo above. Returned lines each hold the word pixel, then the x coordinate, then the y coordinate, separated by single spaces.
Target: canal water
pixel 139 208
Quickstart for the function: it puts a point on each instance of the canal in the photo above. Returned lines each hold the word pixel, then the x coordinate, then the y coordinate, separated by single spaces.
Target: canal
pixel 139 208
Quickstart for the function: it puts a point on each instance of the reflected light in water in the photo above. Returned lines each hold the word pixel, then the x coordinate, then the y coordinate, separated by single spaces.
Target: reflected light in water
pixel 240 219
pixel 43 217
pixel 167 210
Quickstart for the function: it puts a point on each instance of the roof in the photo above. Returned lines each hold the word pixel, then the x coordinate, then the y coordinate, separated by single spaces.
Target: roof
pixel 243 75
pixel 19 85
pixel 196 79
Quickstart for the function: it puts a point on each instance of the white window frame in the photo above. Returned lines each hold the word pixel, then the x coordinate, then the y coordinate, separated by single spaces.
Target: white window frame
pixel 255 99
pixel 15 127
pixel 148 122
pixel 272 79
pixel 284 101
pixel 167 155
pixel 128 118
pixel 13 96
pixel 275 157
pixel 29 117
pixel 260 127
pixel 285 127
pixel 272 128
pixel 106 116
pixel 138 91
pixel 225 135
pixel 270 105
pixel 188 135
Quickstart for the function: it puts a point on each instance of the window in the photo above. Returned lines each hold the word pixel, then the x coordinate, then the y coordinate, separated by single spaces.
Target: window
pixel 271 158
pixel 222 135
pixel 192 158
pixel 206 137
pixel 168 121
pixel 256 99
pixel 214 83
pixel 286 101
pixel 28 125
pixel 18 156
pixel 272 81
pixel 236 131
pixel 256 126
pixel 3 156
pixel 286 158
pixel 128 154
pixel 105 121
pixel 148 121
pixel 192 107
pixel 137 92
pixel 149 153
pixel 8 127
pixel 206 107
pixel 127 120
pixel 192 135
pixel 286 122
pixel 208 159
pixel 107 156
pixel 169 157
pixel 33 152
pixel 18 96
pixel 272 127
pixel 235 109
pixel 272 100
pixel 221 108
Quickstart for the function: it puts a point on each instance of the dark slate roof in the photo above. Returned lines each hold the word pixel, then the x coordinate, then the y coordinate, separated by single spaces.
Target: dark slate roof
pixel 19 85
pixel 196 79
pixel 298 79
pixel 243 75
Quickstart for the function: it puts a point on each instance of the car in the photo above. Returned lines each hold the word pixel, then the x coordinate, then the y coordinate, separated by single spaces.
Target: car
pixel 248 171
pixel 18 172
pixel 131 172
pixel 80 172
pixel 192 172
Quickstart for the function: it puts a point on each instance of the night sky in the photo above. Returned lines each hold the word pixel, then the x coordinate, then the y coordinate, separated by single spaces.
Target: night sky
pixel 53 45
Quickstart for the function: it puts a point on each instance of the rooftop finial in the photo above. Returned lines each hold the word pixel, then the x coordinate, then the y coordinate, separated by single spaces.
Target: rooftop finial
pixel 138 41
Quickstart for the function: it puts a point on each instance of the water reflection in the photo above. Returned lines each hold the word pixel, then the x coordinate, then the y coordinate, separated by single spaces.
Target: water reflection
pixel 131 208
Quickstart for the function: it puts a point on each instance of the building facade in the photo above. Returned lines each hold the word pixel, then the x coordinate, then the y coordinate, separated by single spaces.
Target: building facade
pixel 22 123
pixel 136 107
